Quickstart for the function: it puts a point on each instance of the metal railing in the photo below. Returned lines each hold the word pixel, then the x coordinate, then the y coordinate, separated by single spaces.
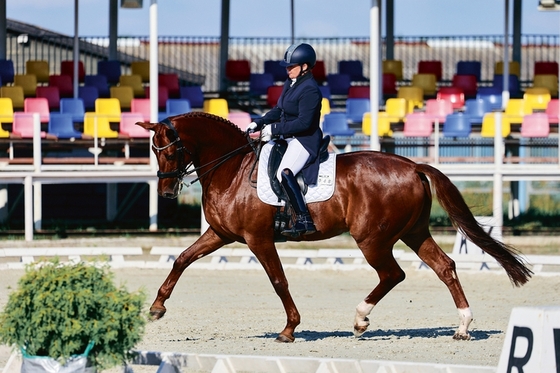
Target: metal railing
pixel 196 59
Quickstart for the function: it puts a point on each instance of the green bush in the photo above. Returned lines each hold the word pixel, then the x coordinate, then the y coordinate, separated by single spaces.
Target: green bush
pixel 59 308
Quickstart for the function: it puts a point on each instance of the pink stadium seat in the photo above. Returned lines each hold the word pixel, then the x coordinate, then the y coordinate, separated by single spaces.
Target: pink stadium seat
pixel 38 105
pixel 418 124
pixel 141 106
pixel 438 109
pixel 535 125
pixel 23 125
pixel 129 128
pixel 552 110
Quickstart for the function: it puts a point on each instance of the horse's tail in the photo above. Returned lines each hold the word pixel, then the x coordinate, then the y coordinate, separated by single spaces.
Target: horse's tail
pixel 463 220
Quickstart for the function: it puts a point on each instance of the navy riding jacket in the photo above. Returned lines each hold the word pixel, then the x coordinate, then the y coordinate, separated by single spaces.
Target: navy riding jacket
pixel 297 114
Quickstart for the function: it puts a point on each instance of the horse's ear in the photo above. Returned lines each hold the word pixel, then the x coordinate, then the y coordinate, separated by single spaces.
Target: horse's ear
pixel 147 125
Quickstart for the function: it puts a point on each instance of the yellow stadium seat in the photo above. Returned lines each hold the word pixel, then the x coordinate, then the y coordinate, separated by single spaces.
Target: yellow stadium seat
pixel 39 68
pixel 110 107
pixel 537 98
pixel 394 67
pixel 383 125
pixel 396 108
pixel 514 68
pixel 135 82
pixel 124 94
pixel 428 83
pixel 216 106
pixel 489 125
pixel 549 81
pixel 91 120
pixel 6 110
pixel 15 93
pixel 516 109
pixel 3 133
pixel 28 82
pixel 325 108
pixel 414 97
pixel 141 68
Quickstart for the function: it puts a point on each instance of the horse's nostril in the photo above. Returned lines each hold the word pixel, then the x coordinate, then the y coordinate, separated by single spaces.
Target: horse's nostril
pixel 169 195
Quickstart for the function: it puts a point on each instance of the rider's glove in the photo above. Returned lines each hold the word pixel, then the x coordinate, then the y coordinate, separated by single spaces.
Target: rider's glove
pixel 251 127
pixel 266 133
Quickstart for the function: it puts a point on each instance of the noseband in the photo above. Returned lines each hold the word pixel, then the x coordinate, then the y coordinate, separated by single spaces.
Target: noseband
pixel 181 169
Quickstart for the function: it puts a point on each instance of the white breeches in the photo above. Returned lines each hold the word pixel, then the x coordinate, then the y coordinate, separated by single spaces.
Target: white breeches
pixel 294 159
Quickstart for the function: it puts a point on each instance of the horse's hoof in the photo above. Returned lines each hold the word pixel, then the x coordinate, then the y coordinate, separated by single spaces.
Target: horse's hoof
pixel 284 339
pixel 462 336
pixel 359 331
pixel 156 313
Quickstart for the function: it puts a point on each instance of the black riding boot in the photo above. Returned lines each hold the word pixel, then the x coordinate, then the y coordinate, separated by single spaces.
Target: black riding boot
pixel 304 223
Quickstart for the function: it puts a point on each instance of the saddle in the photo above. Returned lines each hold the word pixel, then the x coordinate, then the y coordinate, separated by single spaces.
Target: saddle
pixel 283 215
pixel 276 155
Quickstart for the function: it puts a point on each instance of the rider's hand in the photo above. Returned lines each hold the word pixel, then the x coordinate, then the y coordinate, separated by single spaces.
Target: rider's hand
pixel 266 133
pixel 251 128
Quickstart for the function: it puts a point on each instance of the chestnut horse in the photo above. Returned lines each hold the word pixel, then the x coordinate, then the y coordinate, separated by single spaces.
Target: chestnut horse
pixel 379 199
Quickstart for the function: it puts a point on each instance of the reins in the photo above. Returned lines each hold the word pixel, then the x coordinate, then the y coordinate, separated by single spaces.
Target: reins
pixel 181 170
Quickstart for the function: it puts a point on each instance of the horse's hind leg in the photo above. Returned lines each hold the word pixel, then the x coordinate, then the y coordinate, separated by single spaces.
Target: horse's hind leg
pixel 206 244
pixel 390 274
pixel 431 254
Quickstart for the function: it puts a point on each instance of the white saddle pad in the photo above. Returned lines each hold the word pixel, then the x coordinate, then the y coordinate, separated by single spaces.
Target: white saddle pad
pixel 316 193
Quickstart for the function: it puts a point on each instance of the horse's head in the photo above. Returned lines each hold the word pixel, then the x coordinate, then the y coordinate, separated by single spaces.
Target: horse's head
pixel 173 158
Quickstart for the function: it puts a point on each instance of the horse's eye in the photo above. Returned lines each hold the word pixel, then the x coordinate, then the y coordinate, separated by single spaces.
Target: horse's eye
pixel 170 157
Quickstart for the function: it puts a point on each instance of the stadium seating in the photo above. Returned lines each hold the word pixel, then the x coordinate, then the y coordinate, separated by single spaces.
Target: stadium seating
pixel 352 68
pixel 427 82
pixel 417 124
pixel 359 91
pixel 61 125
pixel 111 69
pixel 124 94
pixel 88 94
pixel 135 82
pixel 238 70
pixel 98 124
pixel 63 83
pixel 15 93
pixel 537 98
pixel 431 67
pixel 171 82
pixel 273 94
pixel 492 95
pixel 37 105
pixel 488 128
pixel 339 83
pixel 383 125
pixel 141 68
pixel 23 125
pixel 129 128
pixel 414 97
pixel 100 82
pixel 74 107
pixel 452 94
pixel 176 106
pixel 320 72
pixel 355 109
pixel 438 110
pixel 467 83
pixel 259 83
pixel 6 110
pixel 535 125
pixel 278 72
pixel 39 68
pixel 216 106
pixel 163 96
pixel 514 68
pixel 28 82
pixel 548 81
pixel 6 71
pixel 389 85
pixel 141 106
pixel 194 94
pixel 476 108
pixel 546 67
pixel 241 119
pixel 335 124
pixel 514 86
pixel 108 107
pixel 552 110
pixel 52 95
pixel 457 125
pixel 470 68
pixel 67 68
pixel 394 67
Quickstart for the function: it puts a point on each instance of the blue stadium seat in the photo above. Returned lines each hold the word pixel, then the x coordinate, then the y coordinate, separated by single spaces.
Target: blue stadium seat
pixel 457 125
pixel 514 87
pixel 476 108
pixel 74 107
pixel 336 124
pixel 356 108
pixel 339 84
pixel 175 106
pixel 100 82
pixel 88 94
pixel 111 69
pixel 492 95
pixel 279 73
pixel 259 83
pixel 469 68
pixel 194 94
pixel 7 71
pixel 353 68
pixel 62 126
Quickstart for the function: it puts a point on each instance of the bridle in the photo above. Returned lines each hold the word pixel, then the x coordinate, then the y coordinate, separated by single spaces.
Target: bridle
pixel 181 171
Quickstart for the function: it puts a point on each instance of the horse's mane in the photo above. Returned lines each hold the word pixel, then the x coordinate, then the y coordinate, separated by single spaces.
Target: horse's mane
pixel 216 118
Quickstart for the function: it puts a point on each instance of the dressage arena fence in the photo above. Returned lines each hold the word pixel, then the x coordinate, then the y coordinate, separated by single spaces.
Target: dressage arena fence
pixel 162 257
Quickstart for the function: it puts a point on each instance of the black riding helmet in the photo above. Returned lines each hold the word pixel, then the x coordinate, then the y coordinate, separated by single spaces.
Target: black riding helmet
pixel 298 54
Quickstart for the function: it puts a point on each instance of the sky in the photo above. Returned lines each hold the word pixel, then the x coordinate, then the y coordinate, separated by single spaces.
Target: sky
pixel 271 18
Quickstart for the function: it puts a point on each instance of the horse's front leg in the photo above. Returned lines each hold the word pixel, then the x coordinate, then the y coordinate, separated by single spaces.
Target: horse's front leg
pixel 268 257
pixel 206 244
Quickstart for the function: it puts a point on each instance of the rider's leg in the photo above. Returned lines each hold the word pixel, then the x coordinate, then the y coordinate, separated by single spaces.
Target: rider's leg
pixel 292 162
pixel 304 223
